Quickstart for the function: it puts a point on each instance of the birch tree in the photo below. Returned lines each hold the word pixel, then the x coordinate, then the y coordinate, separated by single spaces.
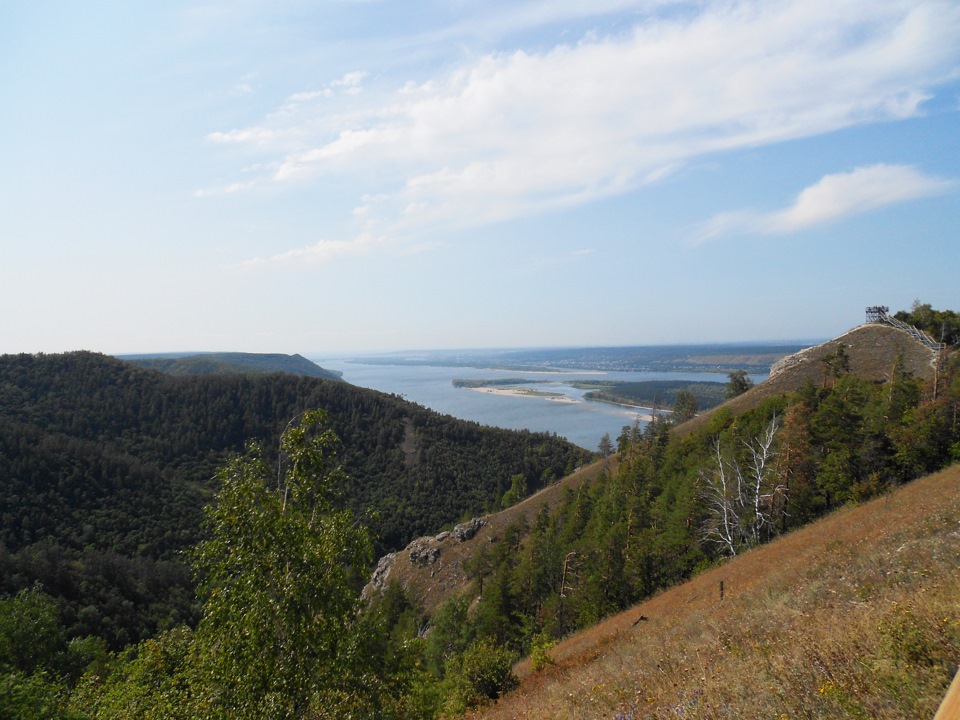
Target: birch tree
pixel 743 500
pixel 277 639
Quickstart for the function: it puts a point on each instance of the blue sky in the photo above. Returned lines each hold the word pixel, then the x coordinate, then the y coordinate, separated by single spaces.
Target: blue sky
pixel 318 177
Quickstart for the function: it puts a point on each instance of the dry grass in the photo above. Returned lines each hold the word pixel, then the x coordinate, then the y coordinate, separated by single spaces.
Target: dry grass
pixel 855 616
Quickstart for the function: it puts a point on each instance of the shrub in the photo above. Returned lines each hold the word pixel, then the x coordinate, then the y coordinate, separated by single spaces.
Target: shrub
pixel 484 672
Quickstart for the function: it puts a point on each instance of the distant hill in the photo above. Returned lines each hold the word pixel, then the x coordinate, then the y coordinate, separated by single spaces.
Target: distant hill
pixel 232 362
pixel 719 358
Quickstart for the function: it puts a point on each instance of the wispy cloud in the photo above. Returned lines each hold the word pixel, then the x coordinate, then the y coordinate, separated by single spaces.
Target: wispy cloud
pixel 223 189
pixel 831 198
pixel 519 132
pixel 319 253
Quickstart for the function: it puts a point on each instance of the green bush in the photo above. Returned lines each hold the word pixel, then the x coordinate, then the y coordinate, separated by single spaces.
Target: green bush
pixel 484 672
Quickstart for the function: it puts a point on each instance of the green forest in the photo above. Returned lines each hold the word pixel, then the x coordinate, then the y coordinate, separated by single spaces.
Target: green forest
pixel 266 619
pixel 105 469
pixel 659 394
pixel 231 363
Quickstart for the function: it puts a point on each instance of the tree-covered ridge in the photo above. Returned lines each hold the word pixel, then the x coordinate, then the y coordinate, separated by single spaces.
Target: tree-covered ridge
pixel 230 363
pixel 104 469
pixel 654 393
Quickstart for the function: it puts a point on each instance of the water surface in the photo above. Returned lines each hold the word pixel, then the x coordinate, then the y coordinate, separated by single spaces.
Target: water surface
pixel 583 422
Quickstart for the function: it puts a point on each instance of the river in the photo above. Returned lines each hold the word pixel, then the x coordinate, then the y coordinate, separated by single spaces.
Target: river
pixel 581 421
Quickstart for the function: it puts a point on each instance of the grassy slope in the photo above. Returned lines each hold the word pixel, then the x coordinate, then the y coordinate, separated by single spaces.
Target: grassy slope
pixel 857 615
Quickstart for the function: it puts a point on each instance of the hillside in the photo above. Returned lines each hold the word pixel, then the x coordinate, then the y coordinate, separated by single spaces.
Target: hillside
pixel 858 619
pixel 872 350
pixel 434 568
pixel 105 468
pixel 230 363
pixel 855 615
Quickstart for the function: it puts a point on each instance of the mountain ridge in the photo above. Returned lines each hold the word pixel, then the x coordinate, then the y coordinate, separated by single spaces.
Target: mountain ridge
pixel 224 363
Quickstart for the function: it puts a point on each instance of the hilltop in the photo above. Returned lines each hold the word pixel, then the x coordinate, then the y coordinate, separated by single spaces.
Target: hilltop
pixel 852 616
pixel 871 349
pixel 232 362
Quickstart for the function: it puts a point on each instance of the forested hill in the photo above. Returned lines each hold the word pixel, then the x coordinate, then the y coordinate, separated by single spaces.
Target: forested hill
pixel 232 362
pixel 105 466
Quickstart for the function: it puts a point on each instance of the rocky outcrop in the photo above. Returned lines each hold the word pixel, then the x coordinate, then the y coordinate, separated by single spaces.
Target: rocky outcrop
pixel 422 553
pixel 466 531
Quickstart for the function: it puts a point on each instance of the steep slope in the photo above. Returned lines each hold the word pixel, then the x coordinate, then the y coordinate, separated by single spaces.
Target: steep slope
pixel 855 615
pixel 431 569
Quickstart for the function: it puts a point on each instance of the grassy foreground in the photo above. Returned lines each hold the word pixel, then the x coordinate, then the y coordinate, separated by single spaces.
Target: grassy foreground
pixel 855 616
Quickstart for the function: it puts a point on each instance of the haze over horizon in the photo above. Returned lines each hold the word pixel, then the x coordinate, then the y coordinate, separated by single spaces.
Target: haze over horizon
pixel 356 176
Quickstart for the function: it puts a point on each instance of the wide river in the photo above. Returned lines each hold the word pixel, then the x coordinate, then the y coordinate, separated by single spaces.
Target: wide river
pixel 581 421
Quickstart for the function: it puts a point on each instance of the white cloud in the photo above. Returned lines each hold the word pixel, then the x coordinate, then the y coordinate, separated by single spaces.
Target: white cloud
pixel 320 253
pixel 350 83
pixel 223 189
pixel 831 198
pixel 256 136
pixel 518 132
pixel 350 79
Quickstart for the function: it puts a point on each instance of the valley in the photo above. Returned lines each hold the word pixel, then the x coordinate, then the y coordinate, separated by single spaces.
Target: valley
pixel 477 561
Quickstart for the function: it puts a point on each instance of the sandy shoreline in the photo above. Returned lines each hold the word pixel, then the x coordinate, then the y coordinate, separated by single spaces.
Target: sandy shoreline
pixel 558 398
pixel 526 392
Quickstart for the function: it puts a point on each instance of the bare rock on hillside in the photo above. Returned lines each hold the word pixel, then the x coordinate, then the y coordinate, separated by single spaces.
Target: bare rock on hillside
pixel 466 531
pixel 423 552
pixel 432 569
pixel 381 574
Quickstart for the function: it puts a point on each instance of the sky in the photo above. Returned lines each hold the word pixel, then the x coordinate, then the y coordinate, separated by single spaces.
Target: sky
pixel 338 176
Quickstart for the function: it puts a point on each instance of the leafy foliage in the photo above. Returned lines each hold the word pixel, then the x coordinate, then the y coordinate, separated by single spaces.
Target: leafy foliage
pixel 276 581
pixel 942 325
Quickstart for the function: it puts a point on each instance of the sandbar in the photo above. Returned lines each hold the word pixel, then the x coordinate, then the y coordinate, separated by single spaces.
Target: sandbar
pixel 525 392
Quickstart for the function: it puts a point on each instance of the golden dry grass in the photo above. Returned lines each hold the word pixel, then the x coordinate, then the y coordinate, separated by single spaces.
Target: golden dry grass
pixel 857 615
